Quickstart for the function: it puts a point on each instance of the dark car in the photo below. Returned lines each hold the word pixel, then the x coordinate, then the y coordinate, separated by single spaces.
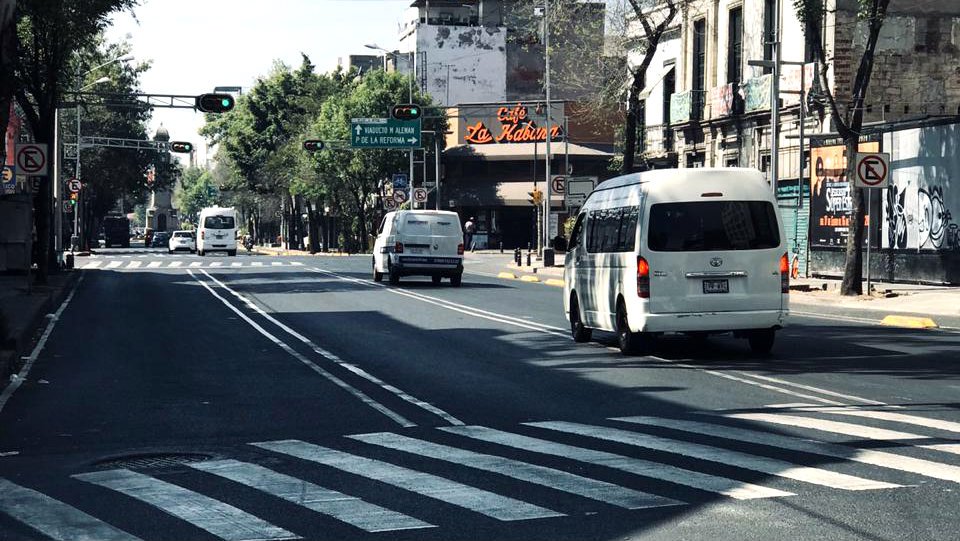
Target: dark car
pixel 160 239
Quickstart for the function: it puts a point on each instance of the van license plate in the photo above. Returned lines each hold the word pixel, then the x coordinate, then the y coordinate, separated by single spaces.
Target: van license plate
pixel 716 286
pixel 417 250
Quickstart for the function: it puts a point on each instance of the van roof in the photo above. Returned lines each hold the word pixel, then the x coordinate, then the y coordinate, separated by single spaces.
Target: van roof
pixel 428 212
pixel 732 181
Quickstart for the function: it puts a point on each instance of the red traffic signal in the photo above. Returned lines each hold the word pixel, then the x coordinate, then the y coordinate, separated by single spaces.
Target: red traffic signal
pixel 215 103
pixel 313 145
pixel 407 111
pixel 182 147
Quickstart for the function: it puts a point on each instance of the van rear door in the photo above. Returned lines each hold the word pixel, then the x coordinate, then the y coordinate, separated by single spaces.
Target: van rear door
pixel 713 256
pixel 430 235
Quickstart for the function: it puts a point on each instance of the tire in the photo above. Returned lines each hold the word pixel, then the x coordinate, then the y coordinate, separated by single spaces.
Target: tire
pixel 761 341
pixel 232 253
pixel 169 251
pixel 456 280
pixel 377 275
pixel 200 253
pixel 580 332
pixel 436 279
pixel 394 279
pixel 630 343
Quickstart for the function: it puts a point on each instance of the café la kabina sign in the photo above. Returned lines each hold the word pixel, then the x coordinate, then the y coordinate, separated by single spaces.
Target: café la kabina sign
pixel 512 124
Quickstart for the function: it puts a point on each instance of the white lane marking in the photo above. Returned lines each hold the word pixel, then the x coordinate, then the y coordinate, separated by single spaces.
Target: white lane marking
pixel 296 264
pixel 769 387
pixel 814 389
pixel 396 417
pixel 92 265
pixel 927 422
pixel 348 509
pixel 220 519
pixel 332 357
pixel 539 475
pixel 738 490
pixel 25 371
pixel 154 264
pixel 127 256
pixel 54 518
pixel 236 264
pixel 771 466
pixel 196 264
pixel 134 264
pixel 114 264
pixel 823 425
pixel 216 264
pixel 276 263
pixel 257 263
pixel 926 468
pixel 174 264
pixel 429 485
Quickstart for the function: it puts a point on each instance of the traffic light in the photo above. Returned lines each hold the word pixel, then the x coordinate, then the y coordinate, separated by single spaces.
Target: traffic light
pixel 313 145
pixel 182 147
pixel 73 198
pixel 215 103
pixel 536 197
pixel 406 111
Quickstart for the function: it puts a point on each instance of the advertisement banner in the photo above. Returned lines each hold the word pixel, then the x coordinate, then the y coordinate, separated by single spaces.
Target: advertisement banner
pixel 680 107
pixel 721 101
pixel 756 93
pixel 830 198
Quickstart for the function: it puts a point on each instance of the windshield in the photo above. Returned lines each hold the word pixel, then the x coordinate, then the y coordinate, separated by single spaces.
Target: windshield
pixel 713 226
pixel 218 222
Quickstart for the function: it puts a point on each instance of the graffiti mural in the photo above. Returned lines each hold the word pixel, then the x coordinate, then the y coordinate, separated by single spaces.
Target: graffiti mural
pixel 924 189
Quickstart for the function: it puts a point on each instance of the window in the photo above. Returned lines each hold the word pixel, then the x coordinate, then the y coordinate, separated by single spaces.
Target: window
pixel 613 230
pixel 669 87
pixel 768 32
pixel 218 222
pixel 576 236
pixel 735 45
pixel 703 226
pixel 699 66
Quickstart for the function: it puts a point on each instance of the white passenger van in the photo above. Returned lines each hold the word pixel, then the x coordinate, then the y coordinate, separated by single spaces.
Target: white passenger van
pixel 419 242
pixel 217 231
pixel 695 251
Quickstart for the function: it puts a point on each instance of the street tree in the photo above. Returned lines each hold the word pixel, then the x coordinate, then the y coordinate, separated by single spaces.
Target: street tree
pixel 846 111
pixel 49 32
pixel 195 191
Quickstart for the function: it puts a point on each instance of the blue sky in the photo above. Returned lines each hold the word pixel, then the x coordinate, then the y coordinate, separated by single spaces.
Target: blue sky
pixel 196 45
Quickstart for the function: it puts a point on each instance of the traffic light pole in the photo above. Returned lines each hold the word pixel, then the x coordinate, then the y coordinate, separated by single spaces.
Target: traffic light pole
pixel 413 204
pixel 547 251
pixel 75 238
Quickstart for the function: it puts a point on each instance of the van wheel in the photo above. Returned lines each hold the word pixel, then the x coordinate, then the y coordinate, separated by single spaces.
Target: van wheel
pixel 232 253
pixel 377 275
pixel 394 278
pixel 436 279
pixel 456 279
pixel 580 332
pixel 200 253
pixel 761 341
pixel 631 343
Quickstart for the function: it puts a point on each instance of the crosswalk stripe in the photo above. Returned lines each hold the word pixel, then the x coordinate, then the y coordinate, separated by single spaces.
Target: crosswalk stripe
pixel 174 264
pixel 296 264
pixel 257 263
pixel 823 425
pixel 276 263
pixel 114 264
pixel 196 264
pixel 432 486
pixel 721 485
pixel 154 264
pixel 220 519
pixel 539 475
pixel 739 459
pixel 54 518
pixel 353 511
pixel 134 264
pixel 126 256
pixel 938 424
pixel 236 264
pixel 926 468
pixel 216 264
pixel 93 264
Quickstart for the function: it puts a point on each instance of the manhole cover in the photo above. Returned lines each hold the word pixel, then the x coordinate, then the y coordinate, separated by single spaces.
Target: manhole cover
pixel 149 461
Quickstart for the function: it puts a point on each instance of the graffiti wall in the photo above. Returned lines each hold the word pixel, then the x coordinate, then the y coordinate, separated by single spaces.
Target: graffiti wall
pixel 924 193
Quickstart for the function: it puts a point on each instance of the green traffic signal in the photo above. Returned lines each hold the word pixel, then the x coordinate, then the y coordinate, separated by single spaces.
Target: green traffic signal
pixel 313 145
pixel 182 147
pixel 215 103
pixel 406 111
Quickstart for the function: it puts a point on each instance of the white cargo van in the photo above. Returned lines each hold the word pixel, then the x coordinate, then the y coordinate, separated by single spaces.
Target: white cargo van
pixel 217 231
pixel 695 251
pixel 419 242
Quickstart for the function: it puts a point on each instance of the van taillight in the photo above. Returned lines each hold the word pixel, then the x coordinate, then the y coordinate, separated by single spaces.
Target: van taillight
pixel 643 278
pixel 784 274
pixel 398 248
pixel 460 249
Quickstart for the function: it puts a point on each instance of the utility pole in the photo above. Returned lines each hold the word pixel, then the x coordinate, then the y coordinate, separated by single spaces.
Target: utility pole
pixel 413 71
pixel 547 251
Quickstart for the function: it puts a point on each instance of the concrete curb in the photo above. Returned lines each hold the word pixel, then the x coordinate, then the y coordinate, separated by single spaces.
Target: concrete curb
pixel 554 282
pixel 507 275
pixel 529 278
pixel 909 322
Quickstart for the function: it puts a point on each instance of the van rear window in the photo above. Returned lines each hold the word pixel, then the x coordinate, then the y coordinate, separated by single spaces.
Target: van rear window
pixel 702 226
pixel 218 222
pixel 430 225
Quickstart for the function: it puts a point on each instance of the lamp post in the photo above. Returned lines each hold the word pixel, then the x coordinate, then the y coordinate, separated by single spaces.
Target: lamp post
pixel 410 97
pixel 547 253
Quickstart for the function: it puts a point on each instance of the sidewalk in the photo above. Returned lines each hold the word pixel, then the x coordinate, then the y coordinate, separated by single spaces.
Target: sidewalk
pixel 268 250
pixel 23 313
pixel 918 303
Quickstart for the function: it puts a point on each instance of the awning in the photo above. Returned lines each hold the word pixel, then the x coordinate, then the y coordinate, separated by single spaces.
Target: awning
pixel 653 79
pixel 492 193
pixel 524 151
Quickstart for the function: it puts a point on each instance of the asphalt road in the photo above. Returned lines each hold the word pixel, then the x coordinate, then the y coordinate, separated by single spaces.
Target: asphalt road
pixel 254 397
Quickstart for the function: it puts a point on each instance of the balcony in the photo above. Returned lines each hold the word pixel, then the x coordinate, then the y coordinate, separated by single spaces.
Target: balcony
pixel 658 140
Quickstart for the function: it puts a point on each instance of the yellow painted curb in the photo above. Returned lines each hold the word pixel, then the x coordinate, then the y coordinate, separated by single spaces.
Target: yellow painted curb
pixel 529 278
pixel 507 275
pixel 909 322
pixel 554 282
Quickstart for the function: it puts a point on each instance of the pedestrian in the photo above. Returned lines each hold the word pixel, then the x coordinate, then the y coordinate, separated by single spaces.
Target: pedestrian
pixel 469 229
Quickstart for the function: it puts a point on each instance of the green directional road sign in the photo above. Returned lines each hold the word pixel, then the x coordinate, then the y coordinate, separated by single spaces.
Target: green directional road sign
pixel 384 133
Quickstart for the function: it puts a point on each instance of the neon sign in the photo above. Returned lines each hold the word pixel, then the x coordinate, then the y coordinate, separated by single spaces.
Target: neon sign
pixel 515 127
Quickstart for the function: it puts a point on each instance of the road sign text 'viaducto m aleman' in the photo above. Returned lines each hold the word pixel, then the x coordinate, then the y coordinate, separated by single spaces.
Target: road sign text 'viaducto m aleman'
pixel 384 133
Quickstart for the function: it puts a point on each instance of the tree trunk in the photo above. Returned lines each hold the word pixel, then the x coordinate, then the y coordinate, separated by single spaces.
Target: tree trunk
pixel 852 284
pixel 314 226
pixel 630 127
